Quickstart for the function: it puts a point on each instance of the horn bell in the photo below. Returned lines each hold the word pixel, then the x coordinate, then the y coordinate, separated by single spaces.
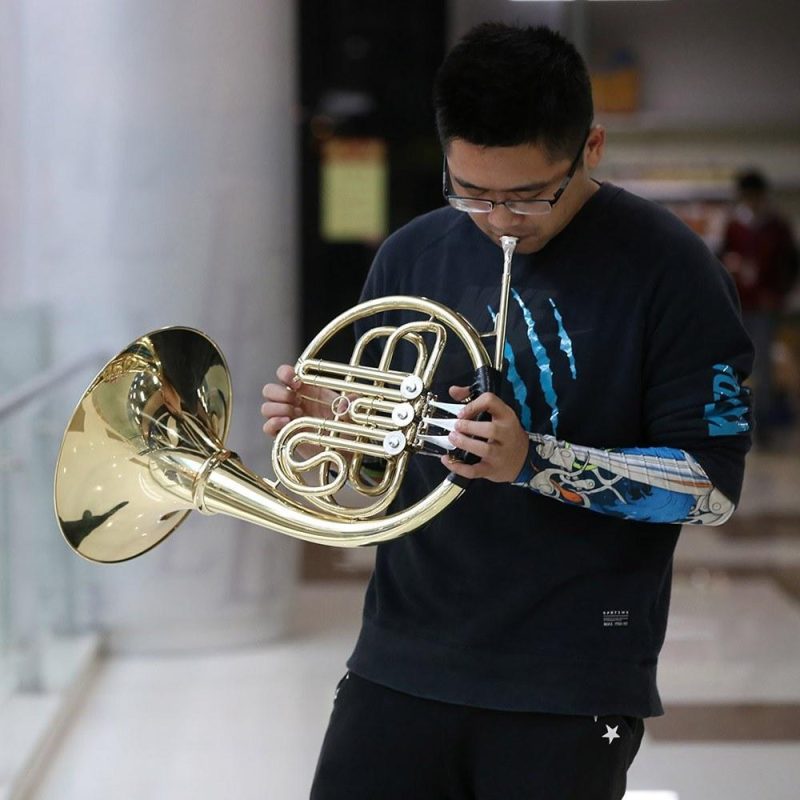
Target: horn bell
pixel 168 391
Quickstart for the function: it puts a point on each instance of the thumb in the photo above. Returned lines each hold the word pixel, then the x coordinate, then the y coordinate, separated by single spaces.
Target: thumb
pixel 459 393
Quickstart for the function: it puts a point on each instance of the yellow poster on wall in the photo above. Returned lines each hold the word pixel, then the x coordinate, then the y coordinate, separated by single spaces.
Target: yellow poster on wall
pixel 354 190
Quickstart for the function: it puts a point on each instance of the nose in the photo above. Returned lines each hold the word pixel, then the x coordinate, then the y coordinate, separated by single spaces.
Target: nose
pixel 503 220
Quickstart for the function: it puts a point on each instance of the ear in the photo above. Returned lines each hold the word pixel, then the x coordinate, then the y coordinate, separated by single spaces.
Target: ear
pixel 595 145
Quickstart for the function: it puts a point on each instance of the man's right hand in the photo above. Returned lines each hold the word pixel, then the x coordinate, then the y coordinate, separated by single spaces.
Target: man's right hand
pixel 290 398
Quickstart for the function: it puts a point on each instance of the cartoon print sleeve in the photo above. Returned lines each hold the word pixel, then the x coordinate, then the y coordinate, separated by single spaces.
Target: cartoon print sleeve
pixel 648 484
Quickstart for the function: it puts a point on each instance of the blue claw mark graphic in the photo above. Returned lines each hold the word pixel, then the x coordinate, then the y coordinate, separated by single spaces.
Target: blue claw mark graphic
pixel 514 378
pixel 543 362
pixel 566 342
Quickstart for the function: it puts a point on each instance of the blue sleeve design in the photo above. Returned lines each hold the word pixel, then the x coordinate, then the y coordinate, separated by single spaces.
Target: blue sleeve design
pixel 729 414
pixel 648 484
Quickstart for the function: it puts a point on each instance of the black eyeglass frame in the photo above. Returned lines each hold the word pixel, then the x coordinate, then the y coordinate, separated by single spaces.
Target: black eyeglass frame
pixel 509 204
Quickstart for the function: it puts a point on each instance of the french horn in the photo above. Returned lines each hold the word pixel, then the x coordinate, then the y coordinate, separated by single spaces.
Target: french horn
pixel 146 443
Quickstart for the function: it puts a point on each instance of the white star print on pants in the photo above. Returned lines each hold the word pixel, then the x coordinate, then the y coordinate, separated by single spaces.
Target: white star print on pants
pixel 611 733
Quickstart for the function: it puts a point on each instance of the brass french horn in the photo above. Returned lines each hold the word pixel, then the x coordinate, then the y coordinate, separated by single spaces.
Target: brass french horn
pixel 146 443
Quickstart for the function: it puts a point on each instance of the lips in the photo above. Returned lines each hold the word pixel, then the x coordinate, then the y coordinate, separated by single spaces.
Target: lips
pixel 521 238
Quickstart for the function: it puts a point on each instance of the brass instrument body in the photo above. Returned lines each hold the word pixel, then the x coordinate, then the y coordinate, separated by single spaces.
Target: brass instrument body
pixel 145 445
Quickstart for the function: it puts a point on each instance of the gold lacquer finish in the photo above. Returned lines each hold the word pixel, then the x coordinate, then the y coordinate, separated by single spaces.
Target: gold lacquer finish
pixel 146 443
pixel 167 392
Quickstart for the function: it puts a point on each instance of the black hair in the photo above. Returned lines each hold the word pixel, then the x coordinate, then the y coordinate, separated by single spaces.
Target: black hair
pixel 502 86
pixel 752 181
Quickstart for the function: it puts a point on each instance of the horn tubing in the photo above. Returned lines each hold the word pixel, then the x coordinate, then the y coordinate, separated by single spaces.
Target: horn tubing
pixel 235 490
pixel 454 320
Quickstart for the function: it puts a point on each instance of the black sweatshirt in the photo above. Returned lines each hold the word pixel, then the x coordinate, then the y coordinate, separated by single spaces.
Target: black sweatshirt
pixel 510 600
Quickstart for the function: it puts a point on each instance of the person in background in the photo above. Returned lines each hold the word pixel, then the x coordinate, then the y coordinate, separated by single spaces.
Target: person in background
pixel 509 647
pixel 760 252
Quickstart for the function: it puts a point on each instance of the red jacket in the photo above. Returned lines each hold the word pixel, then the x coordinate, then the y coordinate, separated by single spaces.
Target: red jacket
pixel 762 257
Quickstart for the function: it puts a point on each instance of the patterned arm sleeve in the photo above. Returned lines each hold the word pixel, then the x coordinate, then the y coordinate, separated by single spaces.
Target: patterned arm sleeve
pixel 648 484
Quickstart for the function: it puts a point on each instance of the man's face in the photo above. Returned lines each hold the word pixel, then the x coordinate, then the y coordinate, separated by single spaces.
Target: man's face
pixel 521 172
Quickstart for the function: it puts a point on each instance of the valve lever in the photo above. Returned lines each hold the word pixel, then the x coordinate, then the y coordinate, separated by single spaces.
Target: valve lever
pixel 440 441
pixel 445 423
pixel 450 408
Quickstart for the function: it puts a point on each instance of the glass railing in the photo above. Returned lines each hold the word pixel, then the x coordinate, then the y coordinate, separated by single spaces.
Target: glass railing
pixel 47 630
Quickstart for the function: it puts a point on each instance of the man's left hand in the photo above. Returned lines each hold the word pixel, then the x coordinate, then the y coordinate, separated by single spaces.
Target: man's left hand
pixel 501 443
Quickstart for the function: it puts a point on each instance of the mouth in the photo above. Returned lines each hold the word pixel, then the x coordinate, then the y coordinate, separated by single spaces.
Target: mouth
pixel 526 243
pixel 521 237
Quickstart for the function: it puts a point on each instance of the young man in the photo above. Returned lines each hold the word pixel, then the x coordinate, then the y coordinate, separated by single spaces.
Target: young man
pixel 509 648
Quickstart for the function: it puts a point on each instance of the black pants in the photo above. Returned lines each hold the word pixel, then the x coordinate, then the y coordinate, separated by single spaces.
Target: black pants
pixel 387 745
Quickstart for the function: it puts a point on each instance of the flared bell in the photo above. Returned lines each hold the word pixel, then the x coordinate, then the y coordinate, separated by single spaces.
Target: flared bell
pixel 168 391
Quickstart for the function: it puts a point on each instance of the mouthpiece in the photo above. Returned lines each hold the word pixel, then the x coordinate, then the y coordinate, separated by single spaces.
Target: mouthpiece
pixel 508 243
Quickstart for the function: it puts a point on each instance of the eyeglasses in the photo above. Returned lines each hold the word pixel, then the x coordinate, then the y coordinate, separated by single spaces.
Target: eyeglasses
pixel 476 205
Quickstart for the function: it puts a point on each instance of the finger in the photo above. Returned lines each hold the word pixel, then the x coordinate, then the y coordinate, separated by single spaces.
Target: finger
pixel 475 446
pixel 273 426
pixel 469 471
pixel 487 401
pixel 470 427
pixel 278 393
pixel 286 375
pixel 270 410
pixel 459 393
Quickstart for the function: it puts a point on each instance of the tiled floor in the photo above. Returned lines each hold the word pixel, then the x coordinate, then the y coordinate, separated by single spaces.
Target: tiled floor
pixel 248 724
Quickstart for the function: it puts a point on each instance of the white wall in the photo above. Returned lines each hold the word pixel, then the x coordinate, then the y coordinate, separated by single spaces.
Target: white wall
pixel 147 178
